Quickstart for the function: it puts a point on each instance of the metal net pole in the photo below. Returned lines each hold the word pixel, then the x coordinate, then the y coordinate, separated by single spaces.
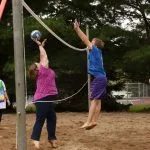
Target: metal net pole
pixel 88 76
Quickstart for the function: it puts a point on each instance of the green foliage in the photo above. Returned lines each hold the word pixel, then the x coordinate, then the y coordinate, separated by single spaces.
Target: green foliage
pixel 140 108
pixel 110 105
pixel 30 108
pixel 125 52
pixel 136 64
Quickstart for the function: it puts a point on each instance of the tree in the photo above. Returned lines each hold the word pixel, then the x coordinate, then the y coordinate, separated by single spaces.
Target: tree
pixel 121 46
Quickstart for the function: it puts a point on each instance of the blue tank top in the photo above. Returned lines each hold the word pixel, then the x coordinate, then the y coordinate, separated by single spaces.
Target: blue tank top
pixel 95 66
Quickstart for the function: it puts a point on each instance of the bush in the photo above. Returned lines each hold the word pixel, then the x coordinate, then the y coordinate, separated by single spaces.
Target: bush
pixel 30 108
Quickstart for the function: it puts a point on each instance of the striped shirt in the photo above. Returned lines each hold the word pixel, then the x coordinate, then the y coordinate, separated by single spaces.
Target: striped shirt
pixel 2 91
pixel 45 83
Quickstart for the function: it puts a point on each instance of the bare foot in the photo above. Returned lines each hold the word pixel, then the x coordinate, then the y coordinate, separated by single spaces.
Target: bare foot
pixel 53 143
pixel 91 126
pixel 36 144
pixel 84 125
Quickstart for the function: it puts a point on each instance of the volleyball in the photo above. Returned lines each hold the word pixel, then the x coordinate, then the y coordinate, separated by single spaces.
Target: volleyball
pixel 35 34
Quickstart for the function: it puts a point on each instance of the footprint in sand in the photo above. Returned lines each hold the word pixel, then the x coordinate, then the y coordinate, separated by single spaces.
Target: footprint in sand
pixel 4 128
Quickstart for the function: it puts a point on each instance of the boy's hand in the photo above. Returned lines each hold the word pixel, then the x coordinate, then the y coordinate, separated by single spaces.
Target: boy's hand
pixel 76 24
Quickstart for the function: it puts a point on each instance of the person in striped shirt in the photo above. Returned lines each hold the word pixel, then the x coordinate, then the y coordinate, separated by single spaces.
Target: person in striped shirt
pixel 3 98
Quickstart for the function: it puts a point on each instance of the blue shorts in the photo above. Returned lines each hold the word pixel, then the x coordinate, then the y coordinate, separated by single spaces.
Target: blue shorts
pixel 98 87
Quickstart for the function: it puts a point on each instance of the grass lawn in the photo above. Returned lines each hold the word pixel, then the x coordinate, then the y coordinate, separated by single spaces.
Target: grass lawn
pixel 140 108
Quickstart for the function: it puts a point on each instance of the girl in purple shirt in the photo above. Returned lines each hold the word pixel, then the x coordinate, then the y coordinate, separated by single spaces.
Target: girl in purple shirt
pixel 46 90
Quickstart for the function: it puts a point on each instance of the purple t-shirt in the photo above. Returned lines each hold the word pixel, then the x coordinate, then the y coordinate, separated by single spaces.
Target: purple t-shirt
pixel 45 83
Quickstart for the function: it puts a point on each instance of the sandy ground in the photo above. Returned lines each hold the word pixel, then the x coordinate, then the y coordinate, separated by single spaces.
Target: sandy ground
pixel 115 131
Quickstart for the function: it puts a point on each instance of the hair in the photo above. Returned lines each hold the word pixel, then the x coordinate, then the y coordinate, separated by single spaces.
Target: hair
pixel 32 71
pixel 98 42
